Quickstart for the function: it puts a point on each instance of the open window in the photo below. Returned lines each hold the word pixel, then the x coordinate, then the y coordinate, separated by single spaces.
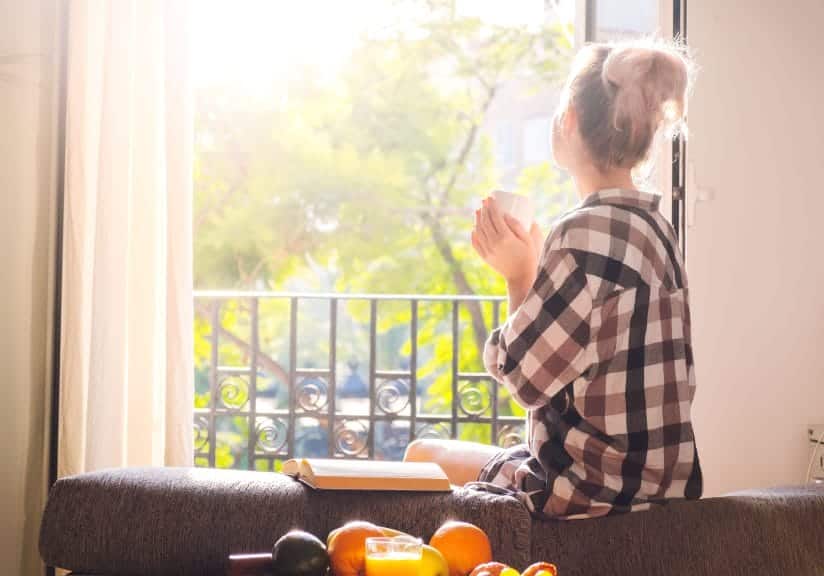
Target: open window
pixel 340 151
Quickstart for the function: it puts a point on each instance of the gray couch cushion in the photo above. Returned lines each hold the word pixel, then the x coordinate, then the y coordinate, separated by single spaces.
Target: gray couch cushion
pixel 187 521
pixel 157 521
pixel 745 533
pixel 165 520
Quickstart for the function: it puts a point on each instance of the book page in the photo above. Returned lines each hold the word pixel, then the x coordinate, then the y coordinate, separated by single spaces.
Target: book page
pixel 340 474
pixel 374 469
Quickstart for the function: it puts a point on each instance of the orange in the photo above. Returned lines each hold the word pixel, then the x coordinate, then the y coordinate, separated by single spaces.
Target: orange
pixel 463 545
pixel 347 547
pixel 489 569
pixel 538 567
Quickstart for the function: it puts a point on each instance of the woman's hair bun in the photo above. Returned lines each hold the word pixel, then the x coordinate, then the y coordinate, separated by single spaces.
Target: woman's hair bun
pixel 648 82
pixel 625 94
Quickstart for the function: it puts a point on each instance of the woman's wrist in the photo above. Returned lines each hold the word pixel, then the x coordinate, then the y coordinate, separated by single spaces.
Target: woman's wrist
pixel 523 281
pixel 518 288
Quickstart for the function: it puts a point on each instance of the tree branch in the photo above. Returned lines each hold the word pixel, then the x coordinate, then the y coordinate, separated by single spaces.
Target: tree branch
pixel 469 143
pixel 459 277
pixel 440 238
pixel 263 360
pixel 206 211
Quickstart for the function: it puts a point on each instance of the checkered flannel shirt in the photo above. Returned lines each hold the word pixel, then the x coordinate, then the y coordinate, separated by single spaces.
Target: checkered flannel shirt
pixel 600 355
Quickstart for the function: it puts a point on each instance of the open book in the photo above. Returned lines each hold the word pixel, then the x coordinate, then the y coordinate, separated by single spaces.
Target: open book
pixel 339 474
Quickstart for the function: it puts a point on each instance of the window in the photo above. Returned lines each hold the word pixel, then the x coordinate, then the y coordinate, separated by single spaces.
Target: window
pixel 622 19
pixel 340 151
pixel 537 140
pixel 504 142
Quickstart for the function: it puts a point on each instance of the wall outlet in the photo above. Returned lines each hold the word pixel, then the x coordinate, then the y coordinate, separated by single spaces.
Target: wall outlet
pixel 814 432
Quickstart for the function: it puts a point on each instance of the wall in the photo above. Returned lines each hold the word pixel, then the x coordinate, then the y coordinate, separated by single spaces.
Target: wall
pixel 27 120
pixel 755 251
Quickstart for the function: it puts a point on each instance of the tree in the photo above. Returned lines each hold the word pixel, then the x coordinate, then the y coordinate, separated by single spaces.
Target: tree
pixel 367 184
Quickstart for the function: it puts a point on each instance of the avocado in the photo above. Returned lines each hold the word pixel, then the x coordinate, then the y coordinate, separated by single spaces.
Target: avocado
pixel 299 553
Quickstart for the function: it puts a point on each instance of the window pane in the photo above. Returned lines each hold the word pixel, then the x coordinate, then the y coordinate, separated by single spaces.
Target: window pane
pixel 621 19
pixel 505 145
pixel 537 140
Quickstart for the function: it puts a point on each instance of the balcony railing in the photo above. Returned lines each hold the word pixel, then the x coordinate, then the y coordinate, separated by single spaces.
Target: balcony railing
pixel 271 384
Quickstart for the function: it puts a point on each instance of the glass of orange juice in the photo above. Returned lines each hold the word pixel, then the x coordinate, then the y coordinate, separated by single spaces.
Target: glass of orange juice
pixel 399 556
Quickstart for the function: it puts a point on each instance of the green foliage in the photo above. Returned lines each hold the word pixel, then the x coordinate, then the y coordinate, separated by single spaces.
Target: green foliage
pixel 364 184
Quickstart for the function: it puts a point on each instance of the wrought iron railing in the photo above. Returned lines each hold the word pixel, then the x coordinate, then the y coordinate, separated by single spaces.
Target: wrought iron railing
pixel 270 410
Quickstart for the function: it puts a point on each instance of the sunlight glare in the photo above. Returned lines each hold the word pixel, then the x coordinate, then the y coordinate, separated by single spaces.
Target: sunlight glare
pixel 257 43
pixel 256 46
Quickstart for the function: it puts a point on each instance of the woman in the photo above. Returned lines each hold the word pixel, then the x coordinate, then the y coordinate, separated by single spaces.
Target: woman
pixel 597 345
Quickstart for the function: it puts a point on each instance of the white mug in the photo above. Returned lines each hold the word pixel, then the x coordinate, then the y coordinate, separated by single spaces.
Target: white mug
pixel 516 205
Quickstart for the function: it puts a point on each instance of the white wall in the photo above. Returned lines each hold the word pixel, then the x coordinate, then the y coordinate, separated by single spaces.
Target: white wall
pixel 27 66
pixel 755 254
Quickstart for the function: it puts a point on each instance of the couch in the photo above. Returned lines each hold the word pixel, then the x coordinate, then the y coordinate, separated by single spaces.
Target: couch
pixel 186 521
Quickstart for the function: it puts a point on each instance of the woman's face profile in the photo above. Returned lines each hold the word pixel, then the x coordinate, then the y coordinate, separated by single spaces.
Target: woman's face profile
pixel 556 138
pixel 563 144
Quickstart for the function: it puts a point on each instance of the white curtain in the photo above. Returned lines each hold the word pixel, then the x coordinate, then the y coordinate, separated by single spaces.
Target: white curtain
pixel 126 342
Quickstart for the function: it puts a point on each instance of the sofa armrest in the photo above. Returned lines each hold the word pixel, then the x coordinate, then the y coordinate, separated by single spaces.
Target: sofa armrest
pixel 166 520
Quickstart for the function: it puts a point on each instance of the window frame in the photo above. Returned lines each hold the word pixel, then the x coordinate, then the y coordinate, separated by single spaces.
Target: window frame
pixel 672 22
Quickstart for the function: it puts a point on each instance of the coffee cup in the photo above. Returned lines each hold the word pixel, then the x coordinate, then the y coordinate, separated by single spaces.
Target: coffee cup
pixel 516 205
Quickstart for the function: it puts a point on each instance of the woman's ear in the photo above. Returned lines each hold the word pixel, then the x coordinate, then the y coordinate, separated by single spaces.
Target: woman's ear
pixel 566 141
pixel 569 121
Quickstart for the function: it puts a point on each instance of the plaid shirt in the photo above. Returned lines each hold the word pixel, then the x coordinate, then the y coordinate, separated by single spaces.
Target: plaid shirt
pixel 600 354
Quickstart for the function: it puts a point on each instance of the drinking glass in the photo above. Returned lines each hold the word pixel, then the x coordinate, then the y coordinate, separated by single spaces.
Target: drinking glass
pixel 393 556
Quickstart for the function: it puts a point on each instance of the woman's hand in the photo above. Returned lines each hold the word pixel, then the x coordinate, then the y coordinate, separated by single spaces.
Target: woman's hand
pixel 505 245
